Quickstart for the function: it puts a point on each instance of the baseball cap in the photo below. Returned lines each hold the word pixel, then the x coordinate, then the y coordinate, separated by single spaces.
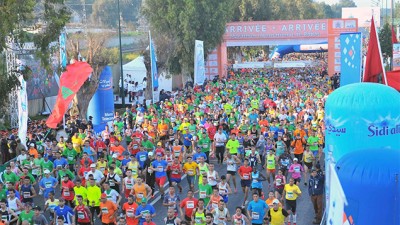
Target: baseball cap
pixel 92 165
pixel 151 153
pixel 275 201
pixel 295 159
pixel 37 208
pixel 46 171
pixel 103 195
pixel 114 155
pixel 32 145
pixel 159 144
pixel 144 200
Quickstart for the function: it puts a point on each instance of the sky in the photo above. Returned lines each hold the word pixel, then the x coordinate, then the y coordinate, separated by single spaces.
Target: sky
pixel 359 3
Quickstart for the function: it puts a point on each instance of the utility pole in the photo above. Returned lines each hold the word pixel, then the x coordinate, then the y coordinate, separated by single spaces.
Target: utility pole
pixel 120 57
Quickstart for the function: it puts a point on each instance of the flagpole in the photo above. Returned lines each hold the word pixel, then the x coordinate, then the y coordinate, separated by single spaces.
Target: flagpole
pixel 151 67
pixel 380 52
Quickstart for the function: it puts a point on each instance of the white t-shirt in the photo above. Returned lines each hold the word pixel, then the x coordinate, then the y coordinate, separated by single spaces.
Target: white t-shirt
pixel 21 158
pixel 97 175
pixel 220 139
pixel 112 195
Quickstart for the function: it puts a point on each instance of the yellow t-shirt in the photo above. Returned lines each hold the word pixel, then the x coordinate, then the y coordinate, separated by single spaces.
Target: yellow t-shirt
pixel 290 195
pixel 82 191
pixel 93 195
pixel 101 166
pixel 190 168
pixel 77 143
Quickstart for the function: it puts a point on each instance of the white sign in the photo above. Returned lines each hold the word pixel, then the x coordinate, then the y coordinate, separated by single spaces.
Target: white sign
pixel 22 111
pixel 199 67
pixel 289 65
pixel 337 198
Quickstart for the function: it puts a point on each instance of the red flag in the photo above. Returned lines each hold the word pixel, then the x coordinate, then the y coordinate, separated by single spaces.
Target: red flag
pixel 393 78
pixel 374 62
pixel 394 38
pixel 70 82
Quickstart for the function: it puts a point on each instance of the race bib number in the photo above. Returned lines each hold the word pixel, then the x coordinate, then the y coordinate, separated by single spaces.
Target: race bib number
pixel 160 169
pixel 81 215
pixel 255 215
pixel 70 158
pixel 48 184
pixel 270 161
pixel 142 158
pixel 297 169
pixel 104 210
pixel 246 176
pixel 278 181
pixel 130 213
pixel 203 194
pixel 190 172
pixel 140 195
pixel 67 193
pixel 190 204
pixel 205 145
pixel 290 194
pixel 27 194
pixel 35 172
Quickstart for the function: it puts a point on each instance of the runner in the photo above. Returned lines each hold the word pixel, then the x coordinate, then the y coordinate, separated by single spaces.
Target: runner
pixel 159 167
pixel 188 204
pixel 291 192
pixel 129 209
pixel 144 210
pixel 171 218
pixel 276 214
pixel 199 214
pixel 256 210
pixel 245 176
pixel 296 169
pixel 108 211
pixel 191 169
pixel 141 190
pixel 232 161
pixel 172 200
pixel 224 189
pixel 82 212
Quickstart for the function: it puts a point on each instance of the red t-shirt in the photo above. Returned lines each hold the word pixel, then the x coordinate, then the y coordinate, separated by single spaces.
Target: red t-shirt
pixel 176 174
pixel 245 172
pixel 67 190
pixel 130 211
pixel 189 205
pixel 151 223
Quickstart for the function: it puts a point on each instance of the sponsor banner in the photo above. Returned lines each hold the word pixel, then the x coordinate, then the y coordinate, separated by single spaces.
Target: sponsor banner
pixel 249 65
pixel 396 56
pixel 22 111
pixel 289 65
pixel 101 106
pixel 199 72
pixel 154 71
pixel 351 58
pixel 211 68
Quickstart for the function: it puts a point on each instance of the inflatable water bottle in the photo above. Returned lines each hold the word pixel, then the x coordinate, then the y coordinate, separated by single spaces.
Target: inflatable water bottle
pixel 362 116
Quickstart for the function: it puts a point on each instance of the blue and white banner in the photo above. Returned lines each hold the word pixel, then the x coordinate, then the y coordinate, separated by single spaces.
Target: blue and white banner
pixel 63 49
pixel 22 111
pixel 154 71
pixel 199 67
pixel 101 106
pixel 351 58
pixel 337 199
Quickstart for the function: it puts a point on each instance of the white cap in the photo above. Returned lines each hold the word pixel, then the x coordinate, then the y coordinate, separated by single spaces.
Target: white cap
pixel 151 153
pixel 92 165
pixel 32 145
pixel 46 171
pixel 275 201
pixel 295 159
pixel 114 155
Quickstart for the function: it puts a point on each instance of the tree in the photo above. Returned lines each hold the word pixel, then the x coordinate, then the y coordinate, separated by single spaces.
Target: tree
pixel 98 57
pixel 185 21
pixel 385 40
pixel 46 17
pixel 106 11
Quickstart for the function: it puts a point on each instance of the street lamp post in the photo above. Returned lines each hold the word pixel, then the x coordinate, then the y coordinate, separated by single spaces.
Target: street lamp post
pixel 120 57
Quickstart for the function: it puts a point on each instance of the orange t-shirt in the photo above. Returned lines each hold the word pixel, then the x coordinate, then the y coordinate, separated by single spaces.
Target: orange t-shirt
pixel 34 152
pixel 130 211
pixel 107 210
pixel 298 146
pixel 163 129
pixel 119 150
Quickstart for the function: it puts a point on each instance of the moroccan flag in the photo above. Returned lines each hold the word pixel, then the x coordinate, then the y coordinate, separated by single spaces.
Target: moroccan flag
pixel 70 82
pixel 374 63
pixel 393 78
pixel 394 38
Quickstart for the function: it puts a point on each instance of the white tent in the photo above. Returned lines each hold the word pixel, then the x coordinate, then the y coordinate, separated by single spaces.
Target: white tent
pixel 136 69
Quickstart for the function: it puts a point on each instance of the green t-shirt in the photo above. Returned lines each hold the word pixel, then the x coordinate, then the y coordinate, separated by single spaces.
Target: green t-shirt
pixel 117 163
pixel 232 146
pixel 47 165
pixel 31 178
pixel 12 177
pixel 68 172
pixel 204 143
pixel 70 155
pixel 147 144
pixel 3 194
pixel 204 192
pixel 23 216
pixel 313 143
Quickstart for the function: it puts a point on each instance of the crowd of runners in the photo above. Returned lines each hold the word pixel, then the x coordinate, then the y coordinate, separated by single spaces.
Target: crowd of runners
pixel 265 128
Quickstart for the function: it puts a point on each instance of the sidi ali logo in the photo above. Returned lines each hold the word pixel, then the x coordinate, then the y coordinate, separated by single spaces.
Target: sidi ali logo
pixel 335 126
pixel 383 126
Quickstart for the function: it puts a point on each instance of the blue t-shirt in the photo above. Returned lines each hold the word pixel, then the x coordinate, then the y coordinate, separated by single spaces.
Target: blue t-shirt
pixel 141 158
pixel 257 211
pixel 65 212
pixel 147 209
pixel 125 161
pixel 253 118
pixel 196 156
pixel 60 162
pixel 187 142
pixel 16 194
pixel 160 166
pixel 48 183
